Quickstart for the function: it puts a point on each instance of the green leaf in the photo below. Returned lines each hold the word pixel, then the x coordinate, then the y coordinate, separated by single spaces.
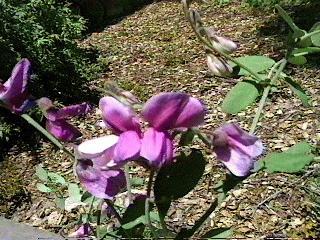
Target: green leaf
pixel 136 181
pixel 74 191
pixel 291 161
pixel 239 97
pixel 186 138
pixel 178 179
pixel 298 91
pixel 43 188
pixel 315 39
pixel 218 233
pixel 56 178
pixel 298 60
pixel 60 202
pixel 255 63
pixel 297 32
pixel 41 173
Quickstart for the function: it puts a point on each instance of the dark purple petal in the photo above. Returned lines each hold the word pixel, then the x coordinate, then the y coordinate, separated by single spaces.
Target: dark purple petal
pixel 100 183
pixel 157 148
pixel 69 111
pixel 173 110
pixel 63 130
pixel 14 91
pixel 118 116
pixel 128 147
pixel 96 147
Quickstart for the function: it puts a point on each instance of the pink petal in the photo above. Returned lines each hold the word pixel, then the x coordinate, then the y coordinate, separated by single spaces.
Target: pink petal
pixel 236 148
pixel 101 184
pixel 14 91
pixel 157 148
pixel 236 161
pixel 118 116
pixel 96 147
pixel 63 130
pixel 192 114
pixel 128 147
pixel 248 143
pixel 173 110
pixel 69 111
pixel 84 230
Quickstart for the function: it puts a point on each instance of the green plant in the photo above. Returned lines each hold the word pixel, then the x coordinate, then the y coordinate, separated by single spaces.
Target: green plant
pixel 46 32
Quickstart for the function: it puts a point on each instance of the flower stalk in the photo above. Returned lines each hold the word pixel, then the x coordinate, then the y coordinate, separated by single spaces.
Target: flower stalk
pixel 147 205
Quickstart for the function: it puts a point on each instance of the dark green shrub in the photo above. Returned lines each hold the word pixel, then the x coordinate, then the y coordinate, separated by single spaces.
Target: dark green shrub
pixel 46 32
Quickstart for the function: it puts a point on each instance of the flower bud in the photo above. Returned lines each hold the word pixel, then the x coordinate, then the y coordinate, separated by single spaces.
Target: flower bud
pixel 218 66
pixel 222 44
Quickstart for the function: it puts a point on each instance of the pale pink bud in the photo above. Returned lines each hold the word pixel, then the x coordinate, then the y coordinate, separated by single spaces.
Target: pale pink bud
pixel 222 44
pixel 218 66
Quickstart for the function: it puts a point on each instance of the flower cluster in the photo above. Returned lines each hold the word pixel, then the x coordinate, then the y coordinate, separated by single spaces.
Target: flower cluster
pixel 152 147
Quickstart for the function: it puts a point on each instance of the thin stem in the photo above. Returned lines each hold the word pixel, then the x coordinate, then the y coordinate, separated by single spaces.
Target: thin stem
pixel 147 205
pixel 209 45
pixel 202 137
pixel 48 135
pixel 266 91
pixel 309 35
pixel 99 219
pixel 127 175
pixel 90 208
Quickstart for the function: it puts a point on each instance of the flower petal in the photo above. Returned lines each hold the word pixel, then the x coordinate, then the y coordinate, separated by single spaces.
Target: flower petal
pixel 157 148
pixel 118 116
pixel 84 230
pixel 101 184
pixel 162 110
pixel 128 147
pixel 97 146
pixel 14 91
pixel 248 143
pixel 192 114
pixel 63 130
pixel 236 161
pixel 69 111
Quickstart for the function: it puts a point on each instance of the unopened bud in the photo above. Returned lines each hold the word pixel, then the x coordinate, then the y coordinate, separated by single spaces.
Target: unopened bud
pixel 222 44
pixel 44 103
pixel 218 66
pixel 132 99
pixel 195 18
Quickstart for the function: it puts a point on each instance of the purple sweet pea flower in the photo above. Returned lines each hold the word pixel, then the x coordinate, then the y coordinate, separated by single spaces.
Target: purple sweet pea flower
pixel 57 123
pixel 163 112
pixel 94 174
pixel 84 230
pixel 236 148
pixel 13 93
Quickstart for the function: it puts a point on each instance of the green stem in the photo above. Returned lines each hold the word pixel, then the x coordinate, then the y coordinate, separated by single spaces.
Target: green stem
pixel 55 141
pixel 127 175
pixel 309 35
pixel 90 208
pixel 99 219
pixel 209 45
pixel 147 205
pixel 202 137
pixel 266 91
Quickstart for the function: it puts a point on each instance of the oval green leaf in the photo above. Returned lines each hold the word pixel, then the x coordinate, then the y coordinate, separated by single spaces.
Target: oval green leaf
pixel 255 63
pixel 239 97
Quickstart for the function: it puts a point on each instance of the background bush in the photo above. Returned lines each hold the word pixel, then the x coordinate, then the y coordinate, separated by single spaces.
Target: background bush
pixel 46 32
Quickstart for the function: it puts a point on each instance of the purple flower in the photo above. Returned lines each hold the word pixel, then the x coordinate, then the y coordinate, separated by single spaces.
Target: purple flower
pixel 57 123
pixel 236 148
pixel 13 93
pixel 163 112
pixel 94 174
pixel 84 230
